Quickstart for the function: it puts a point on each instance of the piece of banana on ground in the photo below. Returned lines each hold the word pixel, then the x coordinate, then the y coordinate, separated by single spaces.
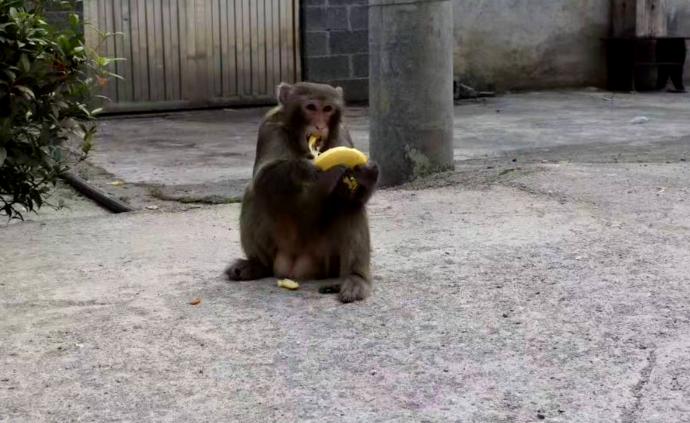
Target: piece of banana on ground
pixel 288 284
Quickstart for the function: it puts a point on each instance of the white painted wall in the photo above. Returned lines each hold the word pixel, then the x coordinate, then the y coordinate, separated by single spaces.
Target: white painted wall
pixel 520 44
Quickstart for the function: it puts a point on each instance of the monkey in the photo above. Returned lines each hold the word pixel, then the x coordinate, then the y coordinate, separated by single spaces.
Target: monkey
pixel 296 221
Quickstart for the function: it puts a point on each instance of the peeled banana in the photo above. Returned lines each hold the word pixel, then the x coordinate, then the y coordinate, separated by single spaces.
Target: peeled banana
pixel 351 183
pixel 314 145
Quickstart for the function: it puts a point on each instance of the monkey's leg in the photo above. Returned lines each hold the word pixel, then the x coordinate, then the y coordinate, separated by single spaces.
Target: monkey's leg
pixel 255 266
pixel 300 267
pixel 247 270
pixel 306 267
pixel 355 275
pixel 354 288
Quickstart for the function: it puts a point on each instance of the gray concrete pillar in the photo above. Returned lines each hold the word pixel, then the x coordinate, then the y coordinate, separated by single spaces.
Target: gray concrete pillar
pixel 411 87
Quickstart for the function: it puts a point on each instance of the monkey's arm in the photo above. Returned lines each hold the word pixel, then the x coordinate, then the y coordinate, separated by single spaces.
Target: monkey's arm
pixel 296 184
pixel 284 178
pixel 280 171
pixel 284 173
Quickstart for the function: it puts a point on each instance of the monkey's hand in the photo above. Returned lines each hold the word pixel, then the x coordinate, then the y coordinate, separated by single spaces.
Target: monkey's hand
pixel 356 185
pixel 366 177
pixel 328 181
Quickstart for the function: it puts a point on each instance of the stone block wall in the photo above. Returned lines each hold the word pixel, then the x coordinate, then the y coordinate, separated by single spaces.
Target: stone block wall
pixel 58 15
pixel 335 44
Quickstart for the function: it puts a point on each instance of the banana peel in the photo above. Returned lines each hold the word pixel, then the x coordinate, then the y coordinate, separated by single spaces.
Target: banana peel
pixel 351 183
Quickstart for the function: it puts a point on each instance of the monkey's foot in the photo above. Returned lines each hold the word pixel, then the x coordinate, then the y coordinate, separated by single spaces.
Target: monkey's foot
pixel 354 288
pixel 329 289
pixel 247 270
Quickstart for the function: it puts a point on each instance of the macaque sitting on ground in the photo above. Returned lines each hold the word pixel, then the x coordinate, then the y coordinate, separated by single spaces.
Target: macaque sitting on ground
pixel 297 221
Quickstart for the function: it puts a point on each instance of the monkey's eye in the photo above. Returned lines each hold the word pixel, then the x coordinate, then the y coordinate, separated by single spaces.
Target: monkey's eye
pixel 328 109
pixel 311 107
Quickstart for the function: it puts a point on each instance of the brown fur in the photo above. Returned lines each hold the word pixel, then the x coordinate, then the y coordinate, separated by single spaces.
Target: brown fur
pixel 296 221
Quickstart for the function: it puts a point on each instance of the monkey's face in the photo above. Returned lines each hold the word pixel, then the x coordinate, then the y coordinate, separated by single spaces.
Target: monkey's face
pixel 313 109
pixel 318 117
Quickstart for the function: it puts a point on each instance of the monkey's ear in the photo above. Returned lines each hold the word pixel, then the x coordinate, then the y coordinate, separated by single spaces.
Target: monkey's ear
pixel 339 90
pixel 283 92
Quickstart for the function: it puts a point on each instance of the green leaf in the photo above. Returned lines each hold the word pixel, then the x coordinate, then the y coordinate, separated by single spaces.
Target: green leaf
pixel 87 145
pixel 74 20
pixel 53 65
pixel 116 76
pixel 11 75
pixel 24 63
pixel 26 91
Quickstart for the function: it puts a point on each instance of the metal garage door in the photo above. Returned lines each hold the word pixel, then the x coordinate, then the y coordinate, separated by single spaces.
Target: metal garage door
pixel 196 53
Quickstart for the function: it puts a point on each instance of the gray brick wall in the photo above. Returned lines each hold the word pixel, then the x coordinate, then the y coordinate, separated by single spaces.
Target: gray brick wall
pixel 58 14
pixel 335 45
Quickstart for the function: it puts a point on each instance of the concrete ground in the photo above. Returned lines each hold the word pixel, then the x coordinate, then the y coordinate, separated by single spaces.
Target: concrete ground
pixel 206 157
pixel 63 203
pixel 547 279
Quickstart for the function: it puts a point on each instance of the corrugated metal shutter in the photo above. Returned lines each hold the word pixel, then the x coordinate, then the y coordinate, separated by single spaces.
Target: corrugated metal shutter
pixel 195 53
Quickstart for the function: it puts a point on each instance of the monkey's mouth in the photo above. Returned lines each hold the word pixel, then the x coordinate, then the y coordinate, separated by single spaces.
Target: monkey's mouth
pixel 314 144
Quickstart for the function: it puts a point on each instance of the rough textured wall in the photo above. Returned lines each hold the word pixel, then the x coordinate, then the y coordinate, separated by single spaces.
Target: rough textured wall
pixel 517 44
pixel 335 44
pixel 679 24
pixel 58 14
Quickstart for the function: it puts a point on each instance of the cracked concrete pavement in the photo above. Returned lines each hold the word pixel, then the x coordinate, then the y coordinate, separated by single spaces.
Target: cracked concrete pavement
pixel 546 279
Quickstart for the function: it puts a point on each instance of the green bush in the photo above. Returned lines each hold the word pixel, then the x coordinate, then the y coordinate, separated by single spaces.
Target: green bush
pixel 48 79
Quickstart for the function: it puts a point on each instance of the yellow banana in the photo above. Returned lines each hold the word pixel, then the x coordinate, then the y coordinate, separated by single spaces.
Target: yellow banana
pixel 345 156
pixel 351 183
pixel 288 284
pixel 313 144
